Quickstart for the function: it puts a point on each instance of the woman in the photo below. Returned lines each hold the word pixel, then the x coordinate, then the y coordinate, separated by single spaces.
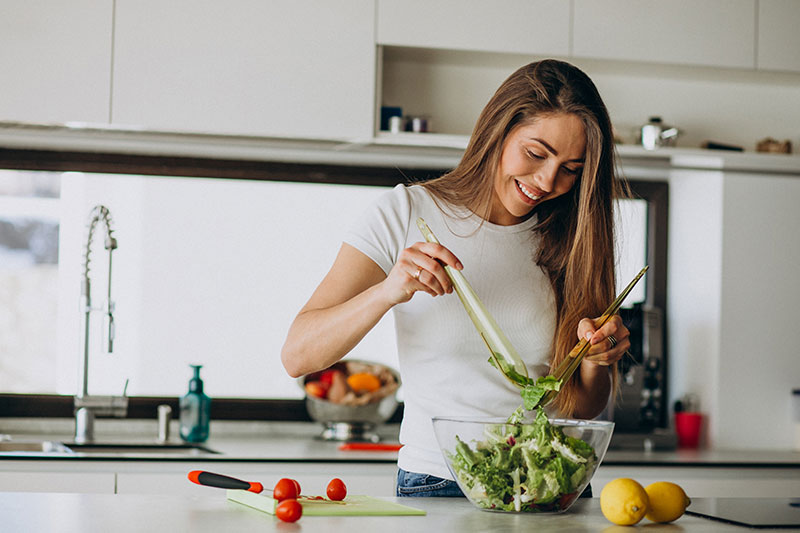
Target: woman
pixel 529 213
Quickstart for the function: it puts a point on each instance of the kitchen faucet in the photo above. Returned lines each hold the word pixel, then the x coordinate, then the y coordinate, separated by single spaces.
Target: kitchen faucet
pixel 88 406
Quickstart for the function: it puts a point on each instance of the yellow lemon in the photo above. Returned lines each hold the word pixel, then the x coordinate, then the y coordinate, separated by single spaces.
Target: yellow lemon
pixel 623 501
pixel 668 501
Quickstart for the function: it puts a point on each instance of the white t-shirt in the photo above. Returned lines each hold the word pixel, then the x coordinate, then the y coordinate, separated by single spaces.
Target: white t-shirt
pixel 443 360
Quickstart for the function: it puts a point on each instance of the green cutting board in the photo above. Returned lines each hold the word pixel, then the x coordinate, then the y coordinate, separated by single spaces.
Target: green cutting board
pixel 355 505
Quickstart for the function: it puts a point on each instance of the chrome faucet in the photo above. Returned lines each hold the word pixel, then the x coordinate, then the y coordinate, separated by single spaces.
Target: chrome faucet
pixel 88 406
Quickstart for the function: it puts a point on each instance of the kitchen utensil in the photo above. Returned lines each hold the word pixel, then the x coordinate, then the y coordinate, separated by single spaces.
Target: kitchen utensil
pixel 370 447
pixel 507 460
pixel 210 479
pixel 573 360
pixel 655 134
pixel 502 352
pixel 355 505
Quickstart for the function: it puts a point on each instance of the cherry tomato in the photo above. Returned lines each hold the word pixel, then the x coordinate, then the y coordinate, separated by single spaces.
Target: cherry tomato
pixel 286 489
pixel 336 489
pixel 289 510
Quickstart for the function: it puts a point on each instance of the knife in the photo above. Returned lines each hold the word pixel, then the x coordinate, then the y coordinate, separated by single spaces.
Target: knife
pixel 220 481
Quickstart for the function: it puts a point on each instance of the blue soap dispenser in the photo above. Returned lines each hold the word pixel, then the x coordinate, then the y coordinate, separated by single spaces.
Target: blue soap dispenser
pixel 195 413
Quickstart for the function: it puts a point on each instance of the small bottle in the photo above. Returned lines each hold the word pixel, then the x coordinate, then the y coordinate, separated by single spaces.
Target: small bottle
pixel 195 410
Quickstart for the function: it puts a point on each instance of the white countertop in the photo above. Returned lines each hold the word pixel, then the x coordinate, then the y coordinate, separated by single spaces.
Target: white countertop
pixel 90 513
pixel 409 150
pixel 300 442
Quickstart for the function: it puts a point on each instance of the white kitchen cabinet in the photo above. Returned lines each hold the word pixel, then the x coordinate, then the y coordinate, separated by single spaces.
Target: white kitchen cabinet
pixel 718 33
pixel 539 27
pixel 778 38
pixel 278 68
pixel 56 60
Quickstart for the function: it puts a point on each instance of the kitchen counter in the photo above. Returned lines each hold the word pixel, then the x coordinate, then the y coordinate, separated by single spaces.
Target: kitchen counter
pixel 88 513
pixel 300 442
pixel 404 150
pixel 267 451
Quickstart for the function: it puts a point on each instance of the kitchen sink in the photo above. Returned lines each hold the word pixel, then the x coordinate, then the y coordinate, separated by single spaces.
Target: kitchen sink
pixel 32 447
pixel 105 448
pixel 138 448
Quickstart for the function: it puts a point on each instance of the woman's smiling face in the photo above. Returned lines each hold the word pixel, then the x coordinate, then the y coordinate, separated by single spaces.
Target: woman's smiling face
pixel 541 160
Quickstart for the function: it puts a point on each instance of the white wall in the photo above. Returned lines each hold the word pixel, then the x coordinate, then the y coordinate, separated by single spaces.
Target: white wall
pixel 207 272
pixel 694 269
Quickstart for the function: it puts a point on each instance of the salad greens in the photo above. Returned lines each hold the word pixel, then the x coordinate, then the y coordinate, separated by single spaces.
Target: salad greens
pixel 530 467
pixel 532 390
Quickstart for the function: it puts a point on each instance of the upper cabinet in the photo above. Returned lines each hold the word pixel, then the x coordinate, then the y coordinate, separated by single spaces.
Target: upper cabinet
pixel 278 68
pixel 56 59
pixel 778 35
pixel 717 33
pixel 538 27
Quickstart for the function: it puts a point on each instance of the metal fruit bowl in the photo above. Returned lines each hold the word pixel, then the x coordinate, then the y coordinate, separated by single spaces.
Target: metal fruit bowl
pixel 351 422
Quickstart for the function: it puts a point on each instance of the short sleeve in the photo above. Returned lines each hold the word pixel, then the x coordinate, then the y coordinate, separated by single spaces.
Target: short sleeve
pixel 381 231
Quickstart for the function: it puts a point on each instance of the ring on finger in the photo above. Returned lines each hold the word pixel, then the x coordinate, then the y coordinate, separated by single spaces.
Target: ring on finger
pixel 417 273
pixel 612 340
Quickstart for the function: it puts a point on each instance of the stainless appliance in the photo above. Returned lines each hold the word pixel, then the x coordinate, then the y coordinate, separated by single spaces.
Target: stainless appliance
pixel 655 133
pixel 640 410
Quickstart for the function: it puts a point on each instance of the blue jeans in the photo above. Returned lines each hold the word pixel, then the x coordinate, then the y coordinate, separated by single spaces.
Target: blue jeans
pixel 425 485
pixel 414 484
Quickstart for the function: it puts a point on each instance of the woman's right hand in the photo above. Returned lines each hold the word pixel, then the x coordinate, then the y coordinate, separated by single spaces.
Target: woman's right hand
pixel 420 267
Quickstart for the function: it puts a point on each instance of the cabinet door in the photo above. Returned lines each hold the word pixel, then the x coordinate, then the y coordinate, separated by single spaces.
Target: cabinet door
pixel 278 68
pixel 713 32
pixel 778 35
pixel 56 60
pixel 523 26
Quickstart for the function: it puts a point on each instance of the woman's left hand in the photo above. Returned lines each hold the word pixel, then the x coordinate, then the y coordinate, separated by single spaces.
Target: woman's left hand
pixel 609 343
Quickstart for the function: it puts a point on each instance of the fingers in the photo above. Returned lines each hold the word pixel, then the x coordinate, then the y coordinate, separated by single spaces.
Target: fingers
pixel 428 260
pixel 609 342
pixel 423 263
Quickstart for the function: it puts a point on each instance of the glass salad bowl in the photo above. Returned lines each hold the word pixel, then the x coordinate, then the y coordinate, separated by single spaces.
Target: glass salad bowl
pixel 541 466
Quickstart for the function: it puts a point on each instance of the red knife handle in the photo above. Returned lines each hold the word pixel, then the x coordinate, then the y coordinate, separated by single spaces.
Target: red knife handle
pixel 370 446
pixel 210 479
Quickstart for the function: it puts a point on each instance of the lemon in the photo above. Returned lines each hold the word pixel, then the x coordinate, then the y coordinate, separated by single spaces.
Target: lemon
pixel 668 501
pixel 624 501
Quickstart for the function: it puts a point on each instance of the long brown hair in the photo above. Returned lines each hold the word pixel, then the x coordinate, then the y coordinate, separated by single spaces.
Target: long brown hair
pixel 577 228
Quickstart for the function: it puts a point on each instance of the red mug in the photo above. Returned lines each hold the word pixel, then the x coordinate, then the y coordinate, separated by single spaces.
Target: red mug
pixel 688 427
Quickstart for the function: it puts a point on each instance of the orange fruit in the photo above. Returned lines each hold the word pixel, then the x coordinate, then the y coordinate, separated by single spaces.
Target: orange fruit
pixel 363 382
